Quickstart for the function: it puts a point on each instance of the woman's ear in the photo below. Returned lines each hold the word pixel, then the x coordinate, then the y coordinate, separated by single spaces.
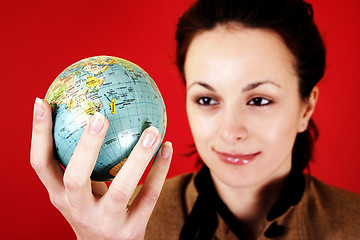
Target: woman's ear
pixel 308 109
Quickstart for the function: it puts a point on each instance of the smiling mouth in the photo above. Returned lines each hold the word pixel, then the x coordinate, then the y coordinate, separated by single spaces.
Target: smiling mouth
pixel 237 159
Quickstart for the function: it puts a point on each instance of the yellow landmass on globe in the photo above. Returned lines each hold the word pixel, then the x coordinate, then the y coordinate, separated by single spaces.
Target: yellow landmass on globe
pixel 91 109
pixel 92 81
pixel 112 61
pixel 70 104
pixel 113 106
pixel 81 107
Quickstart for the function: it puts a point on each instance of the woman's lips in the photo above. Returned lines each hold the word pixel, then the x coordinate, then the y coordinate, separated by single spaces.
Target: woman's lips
pixel 237 159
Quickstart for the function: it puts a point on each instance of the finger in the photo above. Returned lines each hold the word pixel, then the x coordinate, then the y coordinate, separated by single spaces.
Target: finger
pixel 42 155
pixel 124 184
pixel 77 174
pixel 146 199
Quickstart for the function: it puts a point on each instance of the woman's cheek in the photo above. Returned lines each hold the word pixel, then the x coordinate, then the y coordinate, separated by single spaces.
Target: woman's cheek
pixel 279 132
pixel 202 125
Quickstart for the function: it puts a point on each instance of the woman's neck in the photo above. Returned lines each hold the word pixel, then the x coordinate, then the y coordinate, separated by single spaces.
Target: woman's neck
pixel 251 205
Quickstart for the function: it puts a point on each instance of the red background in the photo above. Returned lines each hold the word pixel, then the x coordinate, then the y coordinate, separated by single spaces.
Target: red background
pixel 40 38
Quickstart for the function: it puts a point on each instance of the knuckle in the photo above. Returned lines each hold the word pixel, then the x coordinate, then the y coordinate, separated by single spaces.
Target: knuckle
pixel 150 197
pixel 114 199
pixel 57 202
pixel 118 196
pixel 71 182
pixel 35 164
pixel 39 166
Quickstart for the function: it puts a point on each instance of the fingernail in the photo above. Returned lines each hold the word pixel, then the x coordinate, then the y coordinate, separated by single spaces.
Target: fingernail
pixel 97 123
pixel 166 150
pixel 39 109
pixel 149 138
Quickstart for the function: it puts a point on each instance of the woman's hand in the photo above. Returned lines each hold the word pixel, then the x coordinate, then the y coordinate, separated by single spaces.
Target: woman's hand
pixel 93 211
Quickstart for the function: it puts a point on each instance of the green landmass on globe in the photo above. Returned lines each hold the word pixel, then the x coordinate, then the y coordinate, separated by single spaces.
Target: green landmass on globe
pixel 117 88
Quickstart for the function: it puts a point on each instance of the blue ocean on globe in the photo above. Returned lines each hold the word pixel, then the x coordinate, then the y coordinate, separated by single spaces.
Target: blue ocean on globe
pixel 115 87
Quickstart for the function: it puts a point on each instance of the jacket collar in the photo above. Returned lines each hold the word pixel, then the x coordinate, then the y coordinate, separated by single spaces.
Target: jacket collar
pixel 227 225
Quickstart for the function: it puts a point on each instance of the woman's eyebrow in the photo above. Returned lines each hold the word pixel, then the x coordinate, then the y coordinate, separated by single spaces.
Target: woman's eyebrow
pixel 205 85
pixel 246 88
pixel 257 84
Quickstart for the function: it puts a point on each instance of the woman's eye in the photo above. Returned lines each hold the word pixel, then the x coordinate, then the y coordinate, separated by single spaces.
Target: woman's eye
pixel 206 101
pixel 259 101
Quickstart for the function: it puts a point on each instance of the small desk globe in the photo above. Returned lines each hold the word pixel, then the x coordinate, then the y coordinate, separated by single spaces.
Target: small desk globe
pixel 115 87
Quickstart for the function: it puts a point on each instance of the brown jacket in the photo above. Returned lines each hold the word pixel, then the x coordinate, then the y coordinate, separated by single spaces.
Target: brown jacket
pixel 324 212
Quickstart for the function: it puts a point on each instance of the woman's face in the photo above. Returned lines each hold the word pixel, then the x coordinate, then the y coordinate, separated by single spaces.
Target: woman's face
pixel 243 104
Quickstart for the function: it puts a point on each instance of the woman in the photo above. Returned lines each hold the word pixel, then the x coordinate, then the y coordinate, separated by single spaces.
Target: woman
pixel 250 69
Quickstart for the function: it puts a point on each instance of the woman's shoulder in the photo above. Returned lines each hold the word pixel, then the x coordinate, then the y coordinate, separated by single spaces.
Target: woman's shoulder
pixel 331 209
pixel 329 195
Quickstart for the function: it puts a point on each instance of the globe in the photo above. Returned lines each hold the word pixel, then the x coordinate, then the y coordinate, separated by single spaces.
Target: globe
pixel 115 87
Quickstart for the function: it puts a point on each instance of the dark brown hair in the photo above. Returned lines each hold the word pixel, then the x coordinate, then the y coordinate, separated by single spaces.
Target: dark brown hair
pixel 290 19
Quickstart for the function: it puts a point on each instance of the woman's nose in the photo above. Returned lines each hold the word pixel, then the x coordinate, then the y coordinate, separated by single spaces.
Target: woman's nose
pixel 233 126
